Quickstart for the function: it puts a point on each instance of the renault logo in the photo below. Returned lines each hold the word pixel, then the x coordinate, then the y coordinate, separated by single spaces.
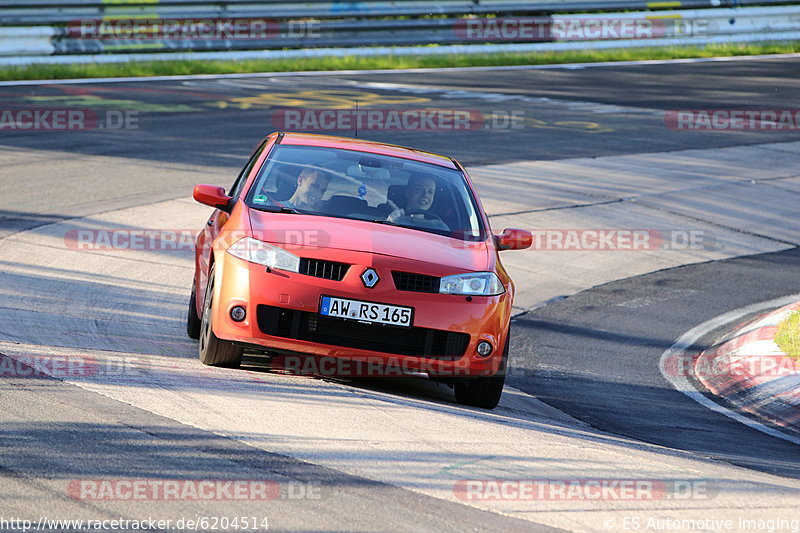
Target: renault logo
pixel 370 278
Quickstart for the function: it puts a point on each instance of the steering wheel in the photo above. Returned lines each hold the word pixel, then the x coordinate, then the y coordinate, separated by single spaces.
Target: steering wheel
pixel 426 214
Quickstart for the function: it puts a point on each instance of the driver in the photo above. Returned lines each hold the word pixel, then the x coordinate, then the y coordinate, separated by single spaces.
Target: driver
pixel 420 191
pixel 311 186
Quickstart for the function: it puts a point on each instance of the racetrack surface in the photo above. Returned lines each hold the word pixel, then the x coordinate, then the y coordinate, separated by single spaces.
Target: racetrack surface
pixel 592 355
pixel 211 126
pixel 388 456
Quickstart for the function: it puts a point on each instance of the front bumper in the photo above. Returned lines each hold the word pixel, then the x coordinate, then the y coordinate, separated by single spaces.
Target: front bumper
pixel 283 317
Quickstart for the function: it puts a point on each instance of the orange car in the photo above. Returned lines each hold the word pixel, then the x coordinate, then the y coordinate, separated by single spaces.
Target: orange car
pixel 349 251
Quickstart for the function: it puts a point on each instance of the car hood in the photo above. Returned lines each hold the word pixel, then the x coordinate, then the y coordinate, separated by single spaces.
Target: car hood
pixel 310 231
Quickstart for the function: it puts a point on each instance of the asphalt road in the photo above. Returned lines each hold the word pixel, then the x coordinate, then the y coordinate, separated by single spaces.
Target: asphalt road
pixel 214 124
pixel 593 355
pixel 53 433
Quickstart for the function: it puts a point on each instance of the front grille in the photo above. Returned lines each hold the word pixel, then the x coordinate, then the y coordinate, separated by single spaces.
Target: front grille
pixel 413 341
pixel 406 281
pixel 319 268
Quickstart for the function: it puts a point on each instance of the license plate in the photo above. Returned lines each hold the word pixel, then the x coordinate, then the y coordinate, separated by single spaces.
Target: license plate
pixel 394 315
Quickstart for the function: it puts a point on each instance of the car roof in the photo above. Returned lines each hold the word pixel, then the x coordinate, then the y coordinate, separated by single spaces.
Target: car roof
pixel 360 145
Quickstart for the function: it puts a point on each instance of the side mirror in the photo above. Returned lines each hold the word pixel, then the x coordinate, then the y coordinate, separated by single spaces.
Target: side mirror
pixel 213 196
pixel 514 239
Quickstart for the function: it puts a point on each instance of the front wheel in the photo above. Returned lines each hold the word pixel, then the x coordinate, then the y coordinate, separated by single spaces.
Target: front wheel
pixel 483 391
pixel 213 350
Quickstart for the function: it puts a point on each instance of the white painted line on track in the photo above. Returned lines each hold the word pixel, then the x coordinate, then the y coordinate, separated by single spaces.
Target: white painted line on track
pixel 450 93
pixel 682 384
pixel 566 66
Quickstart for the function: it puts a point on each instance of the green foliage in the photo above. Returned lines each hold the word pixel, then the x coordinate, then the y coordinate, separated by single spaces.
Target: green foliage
pixel 788 336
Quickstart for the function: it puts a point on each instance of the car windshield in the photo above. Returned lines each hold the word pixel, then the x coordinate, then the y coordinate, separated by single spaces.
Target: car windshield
pixel 375 188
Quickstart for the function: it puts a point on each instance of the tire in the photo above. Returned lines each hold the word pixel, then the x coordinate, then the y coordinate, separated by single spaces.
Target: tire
pixel 193 321
pixel 483 391
pixel 213 350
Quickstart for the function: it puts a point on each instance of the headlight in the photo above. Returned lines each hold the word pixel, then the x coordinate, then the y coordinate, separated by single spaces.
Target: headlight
pixel 476 284
pixel 265 254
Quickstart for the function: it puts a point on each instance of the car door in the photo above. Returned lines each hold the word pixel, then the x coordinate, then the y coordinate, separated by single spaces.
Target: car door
pixel 212 228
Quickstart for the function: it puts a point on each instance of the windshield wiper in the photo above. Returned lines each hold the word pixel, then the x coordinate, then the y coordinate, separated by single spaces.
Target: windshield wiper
pixel 276 209
pixel 384 221
pixel 410 226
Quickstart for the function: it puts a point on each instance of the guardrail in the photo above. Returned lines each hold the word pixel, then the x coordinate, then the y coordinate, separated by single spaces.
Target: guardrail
pixel 141 27
pixel 59 12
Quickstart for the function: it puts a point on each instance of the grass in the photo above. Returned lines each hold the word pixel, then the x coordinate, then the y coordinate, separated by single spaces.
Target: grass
pixel 788 336
pixel 183 67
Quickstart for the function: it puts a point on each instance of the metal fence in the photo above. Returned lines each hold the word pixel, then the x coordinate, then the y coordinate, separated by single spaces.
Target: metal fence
pixel 59 12
pixel 140 27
